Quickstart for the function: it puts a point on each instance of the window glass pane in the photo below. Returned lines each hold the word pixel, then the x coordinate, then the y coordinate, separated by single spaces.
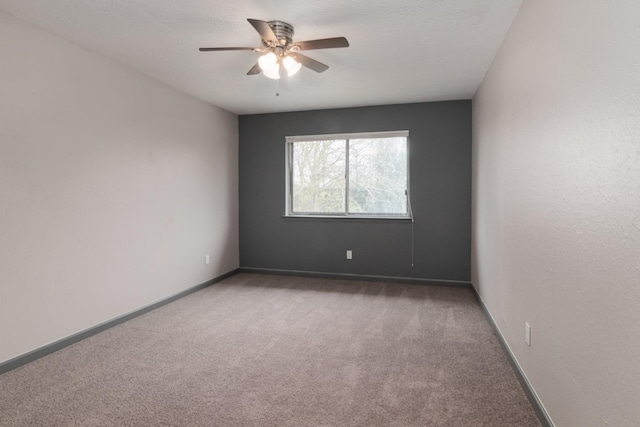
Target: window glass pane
pixel 378 176
pixel 318 176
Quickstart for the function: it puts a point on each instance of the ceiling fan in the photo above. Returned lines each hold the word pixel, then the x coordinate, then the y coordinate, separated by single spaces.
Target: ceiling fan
pixel 278 48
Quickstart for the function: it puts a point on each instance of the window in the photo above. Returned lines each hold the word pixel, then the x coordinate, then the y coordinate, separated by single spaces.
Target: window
pixel 348 175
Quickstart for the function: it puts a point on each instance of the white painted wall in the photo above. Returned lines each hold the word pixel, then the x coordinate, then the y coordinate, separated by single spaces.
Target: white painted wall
pixel 113 187
pixel 556 204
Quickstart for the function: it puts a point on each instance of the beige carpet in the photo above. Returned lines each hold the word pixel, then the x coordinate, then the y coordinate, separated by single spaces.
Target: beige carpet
pixel 257 350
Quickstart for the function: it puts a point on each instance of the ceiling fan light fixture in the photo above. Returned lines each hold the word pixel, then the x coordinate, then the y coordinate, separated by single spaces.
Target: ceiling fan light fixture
pixel 268 61
pixel 273 74
pixel 269 65
pixel 278 49
pixel 291 65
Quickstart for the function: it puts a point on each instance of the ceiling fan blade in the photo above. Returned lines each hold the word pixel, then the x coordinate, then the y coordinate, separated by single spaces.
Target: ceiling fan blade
pixel 208 49
pixel 331 43
pixel 316 66
pixel 265 31
pixel 254 70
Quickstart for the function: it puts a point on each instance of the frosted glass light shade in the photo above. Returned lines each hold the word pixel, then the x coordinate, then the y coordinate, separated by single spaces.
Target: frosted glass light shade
pixel 291 65
pixel 268 62
pixel 273 73
pixel 269 65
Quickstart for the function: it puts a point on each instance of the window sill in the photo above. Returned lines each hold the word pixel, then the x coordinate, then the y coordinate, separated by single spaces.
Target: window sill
pixel 347 217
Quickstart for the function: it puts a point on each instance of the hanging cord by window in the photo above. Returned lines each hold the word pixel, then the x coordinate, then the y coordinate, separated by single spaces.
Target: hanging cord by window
pixel 406 193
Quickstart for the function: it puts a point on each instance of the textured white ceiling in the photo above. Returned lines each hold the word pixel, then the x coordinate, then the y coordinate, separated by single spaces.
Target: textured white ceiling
pixel 401 51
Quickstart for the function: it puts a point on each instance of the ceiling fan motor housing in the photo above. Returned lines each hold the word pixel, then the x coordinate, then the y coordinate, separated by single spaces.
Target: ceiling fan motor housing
pixel 283 32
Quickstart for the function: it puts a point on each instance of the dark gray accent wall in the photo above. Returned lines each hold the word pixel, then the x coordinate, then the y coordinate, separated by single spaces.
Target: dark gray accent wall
pixel 440 175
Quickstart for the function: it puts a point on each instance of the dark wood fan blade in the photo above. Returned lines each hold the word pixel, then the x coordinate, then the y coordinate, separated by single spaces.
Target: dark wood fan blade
pixel 265 31
pixel 254 70
pixel 209 49
pixel 316 66
pixel 323 43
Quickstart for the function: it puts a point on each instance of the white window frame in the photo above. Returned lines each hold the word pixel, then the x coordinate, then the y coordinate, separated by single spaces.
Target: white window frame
pixel 290 140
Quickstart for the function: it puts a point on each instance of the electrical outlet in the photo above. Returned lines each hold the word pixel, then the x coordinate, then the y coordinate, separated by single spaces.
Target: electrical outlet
pixel 207 259
pixel 527 333
pixel 349 254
